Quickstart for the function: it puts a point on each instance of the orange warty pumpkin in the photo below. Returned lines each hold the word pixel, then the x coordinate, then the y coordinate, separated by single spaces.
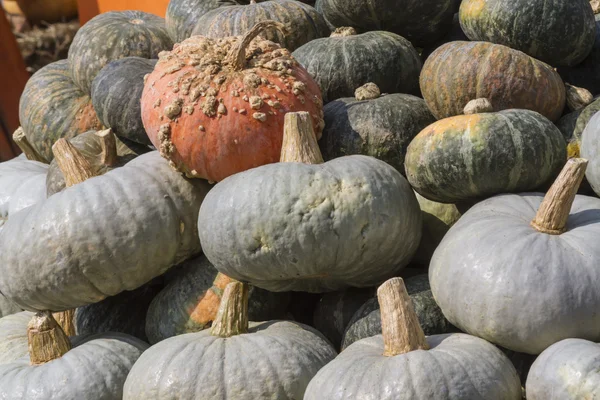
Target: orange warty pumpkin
pixel 215 107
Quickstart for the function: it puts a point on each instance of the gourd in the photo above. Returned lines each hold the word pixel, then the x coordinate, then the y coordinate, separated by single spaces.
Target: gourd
pixel 459 72
pixel 94 367
pixel 536 27
pixel 215 107
pixel 114 240
pixel 421 22
pixel 13 336
pixel 191 298
pixel 404 364
pixel 111 36
pixel 490 153
pixel 233 360
pixel 303 22
pixel 116 94
pixel 7 307
pixel 591 151
pixel 573 124
pixel 346 60
pixel 182 15
pixel 533 274
pixel 585 74
pixel 366 321
pixel 569 369
pixel 353 221
pixel 372 124
pixel 454 34
pixel 53 107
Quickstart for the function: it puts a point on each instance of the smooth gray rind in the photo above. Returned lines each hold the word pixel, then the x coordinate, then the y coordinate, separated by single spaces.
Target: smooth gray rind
pixel 457 367
pixel 590 150
pixel 567 370
pixel 496 277
pixel 353 221
pixel 110 233
pixel 13 337
pixel 95 369
pixel 7 307
pixel 275 360
pixel 22 184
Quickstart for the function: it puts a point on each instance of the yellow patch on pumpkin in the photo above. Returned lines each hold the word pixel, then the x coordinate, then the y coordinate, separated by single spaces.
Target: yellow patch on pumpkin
pixel 472 9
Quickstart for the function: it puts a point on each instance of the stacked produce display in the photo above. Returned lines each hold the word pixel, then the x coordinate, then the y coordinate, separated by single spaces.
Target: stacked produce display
pixel 381 199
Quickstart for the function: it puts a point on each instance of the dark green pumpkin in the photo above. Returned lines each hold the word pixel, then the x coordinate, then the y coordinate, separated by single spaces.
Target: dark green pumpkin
pixel 469 157
pixel 454 34
pixel 303 22
pixel 587 73
pixel 380 127
pixel 53 107
pixel 558 32
pixel 459 72
pixel 366 322
pixel 116 94
pixel 420 21
pixel 343 62
pixel 112 36
pixel 573 124
pixel 182 16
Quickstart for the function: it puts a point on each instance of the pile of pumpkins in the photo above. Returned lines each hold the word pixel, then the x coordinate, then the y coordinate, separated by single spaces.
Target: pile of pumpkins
pixel 340 200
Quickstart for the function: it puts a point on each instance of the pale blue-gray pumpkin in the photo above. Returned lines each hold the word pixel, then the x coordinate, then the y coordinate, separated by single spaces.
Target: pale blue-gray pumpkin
pixel 13 336
pixel 590 150
pixel 7 307
pixel 573 124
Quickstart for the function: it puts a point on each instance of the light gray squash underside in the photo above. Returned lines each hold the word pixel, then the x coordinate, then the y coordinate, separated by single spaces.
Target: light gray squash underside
pixel 13 336
pixel 21 183
pixel 590 150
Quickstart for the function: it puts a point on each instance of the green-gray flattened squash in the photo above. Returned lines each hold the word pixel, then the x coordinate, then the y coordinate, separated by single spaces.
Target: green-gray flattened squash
pixel 110 233
pixel 182 16
pixel 587 73
pixel 469 157
pixel 573 124
pixel 13 336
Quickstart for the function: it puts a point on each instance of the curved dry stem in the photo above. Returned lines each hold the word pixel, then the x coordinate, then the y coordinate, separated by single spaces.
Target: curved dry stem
pixel 237 55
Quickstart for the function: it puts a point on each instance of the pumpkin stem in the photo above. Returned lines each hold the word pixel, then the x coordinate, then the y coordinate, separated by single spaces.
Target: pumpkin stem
pixel 108 142
pixel 577 98
pixel 552 216
pixel 65 320
pixel 232 317
pixel 368 91
pixel 71 162
pixel 400 326
pixel 478 106
pixel 237 55
pixel 343 31
pixel 299 140
pixel 46 339
pixel 21 140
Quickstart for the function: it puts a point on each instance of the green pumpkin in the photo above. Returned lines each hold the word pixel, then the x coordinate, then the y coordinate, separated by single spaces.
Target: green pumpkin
pixel 53 107
pixel 470 157
pixel 111 36
pixel 573 124
pixel 459 72
pixel 454 34
pixel 13 336
pixel 558 32
pixel 587 73
pixel 182 15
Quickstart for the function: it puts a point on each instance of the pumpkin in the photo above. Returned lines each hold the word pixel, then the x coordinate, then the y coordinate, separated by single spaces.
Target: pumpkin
pixel 459 72
pixel 304 22
pixel 89 144
pixel 111 36
pixel 403 364
pixel 13 336
pixel 114 240
pixel 215 107
pixel 573 124
pixel 454 34
pixel 182 15
pixel 353 221
pixel 38 11
pixel 590 149
pixel 94 367
pixel 366 321
pixel 569 370
pixel 536 27
pixel 116 94
pixel 533 275
pixel 233 360
pixel 373 125
pixel 489 153
pixel 7 307
pixel 421 22
pixel 585 74
pixel 52 107
pixel 125 312
pixel 190 301
pixel 335 310
pixel 346 60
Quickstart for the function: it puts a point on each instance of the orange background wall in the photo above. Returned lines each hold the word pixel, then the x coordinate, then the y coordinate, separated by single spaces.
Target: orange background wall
pixel 89 8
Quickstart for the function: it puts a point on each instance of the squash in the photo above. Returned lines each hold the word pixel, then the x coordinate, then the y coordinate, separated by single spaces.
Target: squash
pixel 94 367
pixel 234 360
pixel 191 298
pixel 533 275
pixel 346 60
pixel 490 153
pixel 303 22
pixel 52 107
pixel 38 11
pixel 539 28
pixel 373 125
pixel 116 94
pixel 114 240
pixel 13 336
pixel 7 307
pixel 459 72
pixel 212 110
pixel 182 15
pixel 111 36
pixel 353 221
pixel 590 149
pixel 420 21
pixel 573 124
pixel 569 370
pixel 403 364
pixel 366 321
pixel 454 34
pixel 586 74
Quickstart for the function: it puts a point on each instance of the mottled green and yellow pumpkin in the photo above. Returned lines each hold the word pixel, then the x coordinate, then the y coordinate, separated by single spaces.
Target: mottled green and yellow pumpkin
pixel 182 15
